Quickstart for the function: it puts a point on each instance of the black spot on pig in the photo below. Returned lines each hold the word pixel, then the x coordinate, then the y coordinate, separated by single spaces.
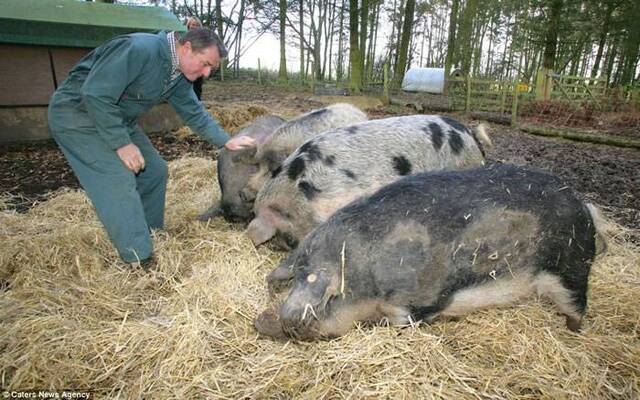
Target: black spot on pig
pixel 402 165
pixel 272 160
pixel 296 168
pixel 308 189
pixel 457 125
pixel 311 150
pixel 348 173
pixel 287 240
pixel 426 312
pixel 329 161
pixel 455 142
pixel 436 133
pixel 276 171
pixel 352 129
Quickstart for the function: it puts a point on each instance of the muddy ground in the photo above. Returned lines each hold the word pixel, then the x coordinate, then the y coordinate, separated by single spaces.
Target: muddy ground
pixel 606 175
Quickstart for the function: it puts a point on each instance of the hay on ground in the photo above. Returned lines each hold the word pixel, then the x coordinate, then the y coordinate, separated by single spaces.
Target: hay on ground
pixel 232 117
pixel 73 316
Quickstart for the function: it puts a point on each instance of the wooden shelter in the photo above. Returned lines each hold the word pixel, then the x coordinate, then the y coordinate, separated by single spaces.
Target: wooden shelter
pixel 41 40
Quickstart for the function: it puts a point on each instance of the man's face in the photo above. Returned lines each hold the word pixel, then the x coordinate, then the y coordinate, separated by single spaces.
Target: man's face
pixel 194 64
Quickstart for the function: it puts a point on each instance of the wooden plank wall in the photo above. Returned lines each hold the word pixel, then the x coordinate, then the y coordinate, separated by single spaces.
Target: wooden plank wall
pixel 26 76
pixel 65 58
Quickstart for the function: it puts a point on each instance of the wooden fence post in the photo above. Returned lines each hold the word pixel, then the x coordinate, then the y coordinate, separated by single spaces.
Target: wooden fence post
pixel 467 104
pixel 259 73
pixel 514 105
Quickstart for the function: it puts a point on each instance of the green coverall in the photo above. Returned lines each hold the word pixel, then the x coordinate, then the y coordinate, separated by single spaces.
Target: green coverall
pixel 95 111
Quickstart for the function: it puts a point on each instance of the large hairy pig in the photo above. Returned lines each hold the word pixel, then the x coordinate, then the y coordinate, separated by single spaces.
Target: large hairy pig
pixel 332 169
pixel 439 243
pixel 274 149
pixel 233 173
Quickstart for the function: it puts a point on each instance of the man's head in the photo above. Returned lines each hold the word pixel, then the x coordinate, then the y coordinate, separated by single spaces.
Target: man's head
pixel 193 23
pixel 199 52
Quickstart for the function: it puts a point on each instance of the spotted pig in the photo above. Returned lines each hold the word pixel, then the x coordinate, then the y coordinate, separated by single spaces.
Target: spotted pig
pixel 233 173
pixel 439 244
pixel 274 149
pixel 330 170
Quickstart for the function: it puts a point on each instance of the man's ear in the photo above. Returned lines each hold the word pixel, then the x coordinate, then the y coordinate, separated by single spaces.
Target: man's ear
pixel 187 46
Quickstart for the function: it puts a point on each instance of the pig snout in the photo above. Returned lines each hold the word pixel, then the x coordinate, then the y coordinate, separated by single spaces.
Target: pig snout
pixel 307 303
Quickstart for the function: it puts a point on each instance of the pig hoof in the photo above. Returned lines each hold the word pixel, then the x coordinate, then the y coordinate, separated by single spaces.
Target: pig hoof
pixel 209 214
pixel 574 324
pixel 268 324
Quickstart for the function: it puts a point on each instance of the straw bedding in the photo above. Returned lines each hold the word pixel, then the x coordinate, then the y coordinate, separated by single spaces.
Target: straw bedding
pixel 73 316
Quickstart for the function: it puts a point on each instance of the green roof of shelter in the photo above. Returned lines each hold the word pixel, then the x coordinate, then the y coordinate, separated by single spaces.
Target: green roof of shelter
pixel 76 23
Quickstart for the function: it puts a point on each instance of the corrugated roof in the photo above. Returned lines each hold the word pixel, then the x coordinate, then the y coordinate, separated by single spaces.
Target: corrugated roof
pixel 77 23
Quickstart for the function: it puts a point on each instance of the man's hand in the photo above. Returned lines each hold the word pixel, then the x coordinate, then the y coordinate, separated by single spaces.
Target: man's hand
pixel 131 157
pixel 240 142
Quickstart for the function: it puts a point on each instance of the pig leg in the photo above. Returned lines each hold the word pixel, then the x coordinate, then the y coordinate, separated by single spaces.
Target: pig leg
pixel 212 212
pixel 345 315
pixel 571 303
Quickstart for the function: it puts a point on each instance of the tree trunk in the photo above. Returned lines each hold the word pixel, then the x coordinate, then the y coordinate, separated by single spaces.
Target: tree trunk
pixel 487 68
pixel 373 41
pixel 282 72
pixel 330 32
pixel 612 52
pixel 218 12
pixel 604 32
pixel 236 64
pixel 551 36
pixel 451 40
pixel 355 73
pixel 424 37
pixel 465 34
pixel 407 28
pixel 340 66
pixel 398 36
pixel 373 22
pixel 631 44
pixel 301 16
pixel 364 19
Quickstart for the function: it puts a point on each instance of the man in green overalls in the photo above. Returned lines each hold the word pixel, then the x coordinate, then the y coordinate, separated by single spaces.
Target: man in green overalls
pixel 93 116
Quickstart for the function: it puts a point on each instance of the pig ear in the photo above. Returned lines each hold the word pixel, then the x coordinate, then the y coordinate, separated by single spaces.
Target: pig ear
pixel 260 230
pixel 263 137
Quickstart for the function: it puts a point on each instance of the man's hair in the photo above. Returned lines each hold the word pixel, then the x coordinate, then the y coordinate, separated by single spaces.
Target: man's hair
pixel 202 38
pixel 193 20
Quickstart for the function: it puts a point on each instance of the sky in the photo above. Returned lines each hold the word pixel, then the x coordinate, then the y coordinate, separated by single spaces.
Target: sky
pixel 267 49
